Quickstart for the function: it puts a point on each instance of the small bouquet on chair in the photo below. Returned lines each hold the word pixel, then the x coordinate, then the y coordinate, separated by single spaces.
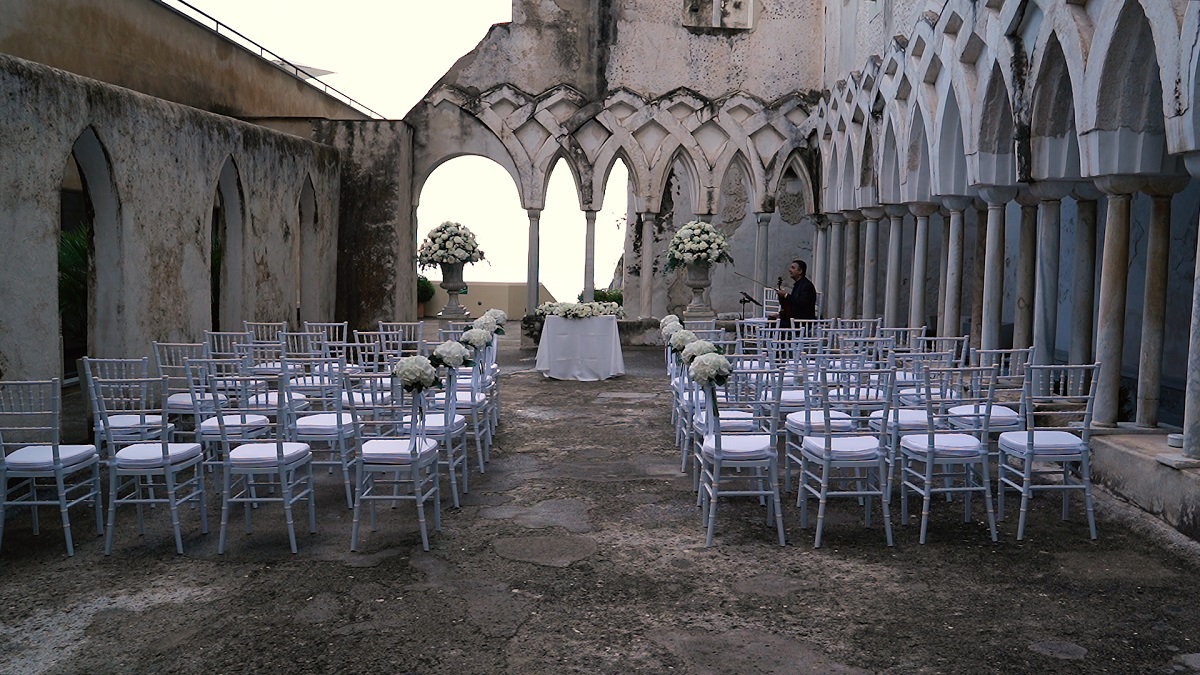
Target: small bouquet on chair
pixel 451 354
pixel 416 374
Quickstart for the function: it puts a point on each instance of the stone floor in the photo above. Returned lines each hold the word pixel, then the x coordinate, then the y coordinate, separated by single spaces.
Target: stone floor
pixel 581 550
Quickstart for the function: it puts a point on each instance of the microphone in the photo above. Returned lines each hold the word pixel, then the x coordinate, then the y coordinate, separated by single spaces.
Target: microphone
pixel 747 298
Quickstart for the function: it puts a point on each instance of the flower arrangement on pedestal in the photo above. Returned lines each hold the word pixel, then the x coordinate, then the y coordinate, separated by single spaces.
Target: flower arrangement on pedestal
pixel 449 243
pixel 697 242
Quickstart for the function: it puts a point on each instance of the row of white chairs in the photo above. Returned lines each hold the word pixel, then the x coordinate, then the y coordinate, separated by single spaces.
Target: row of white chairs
pixel 942 420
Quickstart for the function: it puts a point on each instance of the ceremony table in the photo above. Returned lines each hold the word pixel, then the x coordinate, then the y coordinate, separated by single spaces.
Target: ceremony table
pixel 580 349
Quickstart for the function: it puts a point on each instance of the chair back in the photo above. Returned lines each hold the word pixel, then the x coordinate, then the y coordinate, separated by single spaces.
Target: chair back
pixel 865 327
pixel 264 331
pixel 710 334
pixel 405 335
pixel 303 344
pixel 839 402
pixel 700 324
pixel 958 400
pixel 876 350
pixel 770 302
pixel 319 379
pixel 750 401
pixel 223 344
pixel 1060 398
pixel 902 337
pixel 959 347
pixel 109 369
pixel 140 403
pixel 30 415
pixel 171 360
pixel 332 331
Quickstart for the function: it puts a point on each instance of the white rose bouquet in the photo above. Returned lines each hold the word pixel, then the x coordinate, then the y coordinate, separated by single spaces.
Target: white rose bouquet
pixel 682 339
pixel 487 323
pixel 451 354
pixel 449 243
pixel 476 338
pixel 670 318
pixel 416 373
pixel 498 315
pixel 711 367
pixel 671 329
pixel 697 241
pixel 698 348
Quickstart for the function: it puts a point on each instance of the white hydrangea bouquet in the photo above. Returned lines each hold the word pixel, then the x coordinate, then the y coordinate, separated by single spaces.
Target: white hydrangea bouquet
pixel 681 339
pixel 451 354
pixel 449 243
pixel 488 323
pixel 698 348
pixel 711 367
pixel 476 338
pixel 580 310
pixel 498 315
pixel 697 241
pixel 416 373
pixel 669 326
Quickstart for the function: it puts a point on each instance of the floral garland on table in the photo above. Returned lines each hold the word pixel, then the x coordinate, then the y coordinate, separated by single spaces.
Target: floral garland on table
pixel 416 373
pixel 697 241
pixel 580 310
pixel 711 367
pixel 449 243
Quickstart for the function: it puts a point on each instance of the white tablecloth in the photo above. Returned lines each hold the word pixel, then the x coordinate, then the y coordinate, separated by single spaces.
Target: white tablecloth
pixel 580 349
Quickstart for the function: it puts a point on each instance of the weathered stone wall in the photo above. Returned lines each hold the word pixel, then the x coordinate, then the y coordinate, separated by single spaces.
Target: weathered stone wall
pixel 148 47
pixel 153 233
pixel 376 277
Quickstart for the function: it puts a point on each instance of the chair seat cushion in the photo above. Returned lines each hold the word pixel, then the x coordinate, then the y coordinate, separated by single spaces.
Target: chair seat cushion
pixel 147 422
pixel 265 454
pixel 235 424
pixel 740 448
pixel 732 421
pixel 801 421
pixel 1045 442
pixel 150 455
pixel 792 397
pixel 464 398
pixel 435 423
pixel 325 424
pixel 315 382
pixel 182 402
pixel 971 417
pixel 906 419
pixel 945 445
pixel 398 451
pixel 917 395
pixel 843 447
pixel 41 457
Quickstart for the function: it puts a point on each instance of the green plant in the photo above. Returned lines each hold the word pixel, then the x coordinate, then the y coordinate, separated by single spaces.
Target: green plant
pixel 424 289
pixel 603 295
pixel 73 263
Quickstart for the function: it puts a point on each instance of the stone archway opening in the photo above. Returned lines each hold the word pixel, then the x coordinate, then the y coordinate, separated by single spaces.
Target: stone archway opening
pixel 226 249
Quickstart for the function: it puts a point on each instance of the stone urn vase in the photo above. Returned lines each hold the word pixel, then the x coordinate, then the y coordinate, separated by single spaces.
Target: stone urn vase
pixel 698 280
pixel 452 283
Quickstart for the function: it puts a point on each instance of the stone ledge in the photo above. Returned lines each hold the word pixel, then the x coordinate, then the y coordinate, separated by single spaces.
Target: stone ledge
pixel 1130 465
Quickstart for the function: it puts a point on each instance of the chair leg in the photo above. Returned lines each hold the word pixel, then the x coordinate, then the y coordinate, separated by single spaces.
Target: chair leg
pixel 926 496
pixel 286 489
pixel 885 505
pixel 1026 493
pixel 1085 471
pixel 312 498
pixel 774 478
pixel 97 501
pixel 200 469
pixel 357 511
pixel 822 502
pixel 112 509
pixel 226 492
pixel 712 508
pixel 987 497
pixel 66 517
pixel 173 507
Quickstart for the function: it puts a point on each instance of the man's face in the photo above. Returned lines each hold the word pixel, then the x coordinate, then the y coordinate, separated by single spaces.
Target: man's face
pixel 794 271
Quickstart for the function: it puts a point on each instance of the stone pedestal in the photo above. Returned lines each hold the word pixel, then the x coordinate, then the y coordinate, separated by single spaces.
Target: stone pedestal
pixel 452 283
pixel 698 280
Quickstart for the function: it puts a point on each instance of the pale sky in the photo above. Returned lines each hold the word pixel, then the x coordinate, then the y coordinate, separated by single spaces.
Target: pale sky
pixel 387 54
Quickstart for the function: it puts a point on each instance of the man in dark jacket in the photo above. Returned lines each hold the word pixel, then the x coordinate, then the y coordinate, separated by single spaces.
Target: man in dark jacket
pixel 801 303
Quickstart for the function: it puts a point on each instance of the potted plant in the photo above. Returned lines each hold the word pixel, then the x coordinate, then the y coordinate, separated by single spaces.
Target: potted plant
pixel 425 292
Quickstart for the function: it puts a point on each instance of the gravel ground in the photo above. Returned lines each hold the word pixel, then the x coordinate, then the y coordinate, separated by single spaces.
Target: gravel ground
pixel 580 550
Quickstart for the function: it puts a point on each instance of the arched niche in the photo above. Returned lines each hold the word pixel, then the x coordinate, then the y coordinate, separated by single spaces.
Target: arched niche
pixel 1054 139
pixel 951 164
pixel 304 256
pixel 997 145
pixel 227 260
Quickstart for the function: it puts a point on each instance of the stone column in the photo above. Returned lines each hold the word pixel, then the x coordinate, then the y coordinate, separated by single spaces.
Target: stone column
pixel 1083 281
pixel 871 261
pixel 952 311
pixel 531 271
pixel 835 278
pixel 1026 270
pixel 1191 404
pixel 916 299
pixel 943 269
pixel 1045 295
pixel 760 249
pixel 589 258
pixel 850 299
pixel 1114 278
pixel 820 264
pixel 1154 303
pixel 891 299
pixel 993 274
pixel 647 256
pixel 977 259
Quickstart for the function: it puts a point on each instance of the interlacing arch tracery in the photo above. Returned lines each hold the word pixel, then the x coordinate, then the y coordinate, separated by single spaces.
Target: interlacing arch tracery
pixel 680 130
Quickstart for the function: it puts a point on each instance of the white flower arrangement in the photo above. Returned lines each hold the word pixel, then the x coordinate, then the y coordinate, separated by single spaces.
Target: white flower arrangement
pixel 697 241
pixel 449 243
pixel 580 310
pixel 476 338
pixel 498 315
pixel 712 367
pixel 485 323
pixel 451 354
pixel 670 318
pixel 671 329
pixel 682 339
pixel 416 373
pixel 697 348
